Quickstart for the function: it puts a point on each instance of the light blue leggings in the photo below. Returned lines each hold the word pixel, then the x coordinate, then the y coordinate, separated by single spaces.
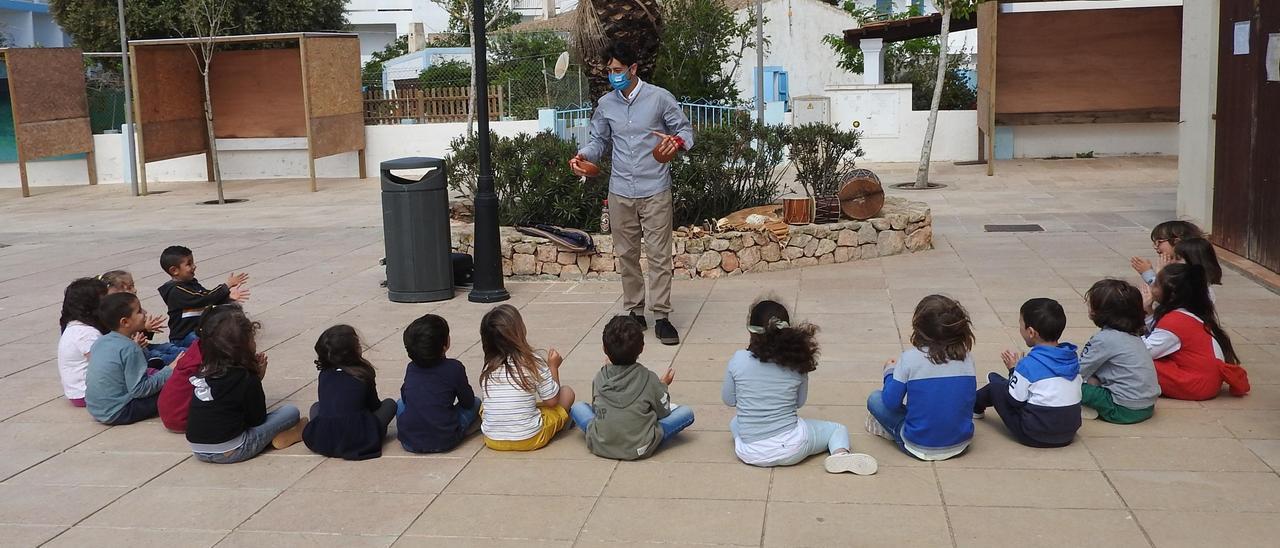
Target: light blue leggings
pixel 819 436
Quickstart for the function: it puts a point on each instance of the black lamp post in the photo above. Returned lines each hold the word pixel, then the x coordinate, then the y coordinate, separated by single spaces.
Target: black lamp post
pixel 487 284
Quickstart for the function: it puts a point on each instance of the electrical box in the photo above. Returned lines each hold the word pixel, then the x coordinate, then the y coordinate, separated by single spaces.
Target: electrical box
pixel 810 109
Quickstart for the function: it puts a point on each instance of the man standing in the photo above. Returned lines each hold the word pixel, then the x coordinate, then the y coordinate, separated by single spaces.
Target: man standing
pixel 646 127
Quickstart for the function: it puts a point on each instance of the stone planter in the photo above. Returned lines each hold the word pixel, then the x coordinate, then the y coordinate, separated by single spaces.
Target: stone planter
pixel 902 227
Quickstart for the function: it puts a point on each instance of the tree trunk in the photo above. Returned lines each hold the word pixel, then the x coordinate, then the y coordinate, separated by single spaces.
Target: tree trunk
pixel 213 142
pixel 922 172
pixel 471 95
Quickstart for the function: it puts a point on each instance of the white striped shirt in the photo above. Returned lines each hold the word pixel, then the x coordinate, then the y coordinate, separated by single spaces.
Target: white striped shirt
pixel 510 413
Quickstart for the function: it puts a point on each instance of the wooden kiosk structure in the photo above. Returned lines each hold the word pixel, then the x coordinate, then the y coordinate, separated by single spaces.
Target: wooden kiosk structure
pixel 1064 62
pixel 310 88
pixel 50 110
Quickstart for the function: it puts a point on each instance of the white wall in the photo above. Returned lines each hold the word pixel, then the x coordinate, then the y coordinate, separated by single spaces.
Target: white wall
pixel 892 132
pixel 259 158
pixel 794 30
pixel 1196 137
pixel 1101 139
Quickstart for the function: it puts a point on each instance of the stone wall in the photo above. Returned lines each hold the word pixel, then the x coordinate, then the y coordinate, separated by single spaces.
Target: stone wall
pixel 903 226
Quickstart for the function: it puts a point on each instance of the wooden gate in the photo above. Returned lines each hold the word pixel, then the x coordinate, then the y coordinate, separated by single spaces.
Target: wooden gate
pixel 1246 193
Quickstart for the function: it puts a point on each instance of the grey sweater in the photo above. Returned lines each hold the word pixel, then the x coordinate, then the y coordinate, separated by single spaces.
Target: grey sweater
pixel 629 128
pixel 1123 364
pixel 766 395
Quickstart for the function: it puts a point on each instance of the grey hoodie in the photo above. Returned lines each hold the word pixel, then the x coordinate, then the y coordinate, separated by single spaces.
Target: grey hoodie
pixel 628 401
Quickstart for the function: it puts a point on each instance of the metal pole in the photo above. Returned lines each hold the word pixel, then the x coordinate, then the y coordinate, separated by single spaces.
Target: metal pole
pixel 487 281
pixel 760 61
pixel 132 160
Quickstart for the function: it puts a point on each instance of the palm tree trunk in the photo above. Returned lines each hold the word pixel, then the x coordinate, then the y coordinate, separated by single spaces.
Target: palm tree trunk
pixel 922 172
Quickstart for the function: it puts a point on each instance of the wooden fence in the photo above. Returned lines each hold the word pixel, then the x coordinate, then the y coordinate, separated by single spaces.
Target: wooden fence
pixel 423 106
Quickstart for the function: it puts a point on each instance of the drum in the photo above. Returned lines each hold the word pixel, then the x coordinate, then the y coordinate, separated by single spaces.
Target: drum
pixel 861 195
pixel 826 209
pixel 797 210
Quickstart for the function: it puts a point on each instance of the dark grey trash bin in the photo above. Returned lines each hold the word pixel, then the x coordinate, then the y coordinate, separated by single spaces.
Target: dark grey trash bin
pixel 415 224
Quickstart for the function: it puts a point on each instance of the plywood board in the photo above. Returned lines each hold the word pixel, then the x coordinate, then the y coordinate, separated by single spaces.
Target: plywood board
pixel 333 76
pixel 336 134
pixel 48 83
pixel 257 93
pixel 1089 60
pixel 988 13
pixel 54 137
pixel 170 102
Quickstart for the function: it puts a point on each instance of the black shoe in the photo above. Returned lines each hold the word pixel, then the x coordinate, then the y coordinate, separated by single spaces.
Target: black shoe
pixel 639 318
pixel 666 332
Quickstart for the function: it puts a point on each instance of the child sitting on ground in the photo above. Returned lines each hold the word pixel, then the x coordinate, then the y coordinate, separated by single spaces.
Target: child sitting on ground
pixel 80 328
pixel 228 419
pixel 175 398
pixel 1040 401
pixel 768 383
pixel 119 388
pixel 1193 354
pixel 119 281
pixel 524 403
pixel 926 405
pixel 349 421
pixel 187 299
pixel 630 413
pixel 1164 237
pixel 437 406
pixel 1120 378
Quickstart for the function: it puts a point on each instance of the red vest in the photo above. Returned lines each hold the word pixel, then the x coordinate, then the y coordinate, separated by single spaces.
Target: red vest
pixel 175 397
pixel 1193 372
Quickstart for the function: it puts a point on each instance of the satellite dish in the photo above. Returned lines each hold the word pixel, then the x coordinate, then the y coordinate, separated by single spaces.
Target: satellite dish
pixel 562 66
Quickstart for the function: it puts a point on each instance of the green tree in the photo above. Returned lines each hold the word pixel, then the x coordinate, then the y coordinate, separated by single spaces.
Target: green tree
pixel 446 74
pixel 92 23
pixel 371 73
pixel 701 48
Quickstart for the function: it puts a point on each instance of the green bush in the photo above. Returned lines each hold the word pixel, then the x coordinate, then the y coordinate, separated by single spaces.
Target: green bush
pixel 729 168
pixel 823 155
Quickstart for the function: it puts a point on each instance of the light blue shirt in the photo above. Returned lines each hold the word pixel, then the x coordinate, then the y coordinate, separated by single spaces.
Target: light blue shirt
pixel 628 124
pixel 118 374
pixel 767 396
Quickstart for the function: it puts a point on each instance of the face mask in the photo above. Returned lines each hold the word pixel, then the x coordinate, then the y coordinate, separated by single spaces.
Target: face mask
pixel 619 81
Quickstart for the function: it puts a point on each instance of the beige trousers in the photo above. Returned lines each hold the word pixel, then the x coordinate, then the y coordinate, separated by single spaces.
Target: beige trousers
pixel 650 218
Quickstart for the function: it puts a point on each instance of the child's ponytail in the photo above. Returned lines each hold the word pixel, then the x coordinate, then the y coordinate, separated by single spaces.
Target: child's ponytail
pixel 775 340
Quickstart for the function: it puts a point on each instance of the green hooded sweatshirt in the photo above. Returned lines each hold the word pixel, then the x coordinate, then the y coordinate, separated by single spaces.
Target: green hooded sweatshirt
pixel 628 401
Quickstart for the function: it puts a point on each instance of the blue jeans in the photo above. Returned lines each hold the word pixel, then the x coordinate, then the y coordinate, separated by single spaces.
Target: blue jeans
pixel 256 439
pixel 679 419
pixel 891 420
pixel 186 341
pixel 820 437
pixel 165 351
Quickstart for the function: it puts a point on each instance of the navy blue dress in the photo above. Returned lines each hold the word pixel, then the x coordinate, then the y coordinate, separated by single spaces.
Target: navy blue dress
pixel 345 426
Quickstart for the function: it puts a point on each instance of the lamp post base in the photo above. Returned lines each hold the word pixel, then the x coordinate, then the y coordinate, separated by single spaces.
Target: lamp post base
pixel 488 295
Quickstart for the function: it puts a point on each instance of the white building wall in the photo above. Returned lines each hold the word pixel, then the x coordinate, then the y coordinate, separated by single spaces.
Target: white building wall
pixel 18 27
pixel 794 30
pixel 1196 133
pixel 892 132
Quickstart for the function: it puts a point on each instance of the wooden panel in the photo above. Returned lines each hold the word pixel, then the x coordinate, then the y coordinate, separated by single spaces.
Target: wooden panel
pixel 54 137
pixel 333 76
pixel 1264 232
pixel 257 93
pixel 988 18
pixel 1233 159
pixel 170 102
pixel 48 83
pixel 335 134
pixel 1104 117
pixel 1089 60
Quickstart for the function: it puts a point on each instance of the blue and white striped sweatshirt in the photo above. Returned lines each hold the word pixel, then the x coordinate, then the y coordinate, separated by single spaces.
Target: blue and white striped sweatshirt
pixel 1046 385
pixel 938 399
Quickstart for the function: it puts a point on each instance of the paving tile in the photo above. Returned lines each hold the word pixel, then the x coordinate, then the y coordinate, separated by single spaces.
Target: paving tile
pixel 1196 529
pixel 503 516
pixel 462 542
pixel 135 538
pixel 306 511
pixel 992 447
pixel 824 524
pixel 383 475
pixel 986 527
pixel 533 477
pixel 809 482
pixel 1199 491
pixel 635 520
pixel 29 535
pixel 1267 450
pixel 1167 423
pixel 219 509
pixel 276 472
pixel 1251 424
pixel 143 437
pixel 689 481
pixel 41 437
pixel 14 462
pixel 52 505
pixel 1207 455
pixel 101 469
pixel 1053 488
pixel 254 539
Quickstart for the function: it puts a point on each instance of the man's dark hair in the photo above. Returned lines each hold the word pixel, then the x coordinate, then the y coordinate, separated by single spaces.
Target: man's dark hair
pixel 621 51
pixel 1116 304
pixel 1045 316
pixel 425 339
pixel 623 340
pixel 172 256
pixel 114 308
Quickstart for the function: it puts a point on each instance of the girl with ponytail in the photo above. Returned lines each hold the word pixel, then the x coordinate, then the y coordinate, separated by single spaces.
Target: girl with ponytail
pixel 1193 354
pixel 767 383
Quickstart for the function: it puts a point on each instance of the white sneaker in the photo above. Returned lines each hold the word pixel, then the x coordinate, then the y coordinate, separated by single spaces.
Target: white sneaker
pixel 857 463
pixel 979 416
pixel 874 427
pixel 1088 413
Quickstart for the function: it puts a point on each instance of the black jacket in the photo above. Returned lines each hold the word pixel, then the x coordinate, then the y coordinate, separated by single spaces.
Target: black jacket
pixel 237 404
pixel 186 302
pixel 431 394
